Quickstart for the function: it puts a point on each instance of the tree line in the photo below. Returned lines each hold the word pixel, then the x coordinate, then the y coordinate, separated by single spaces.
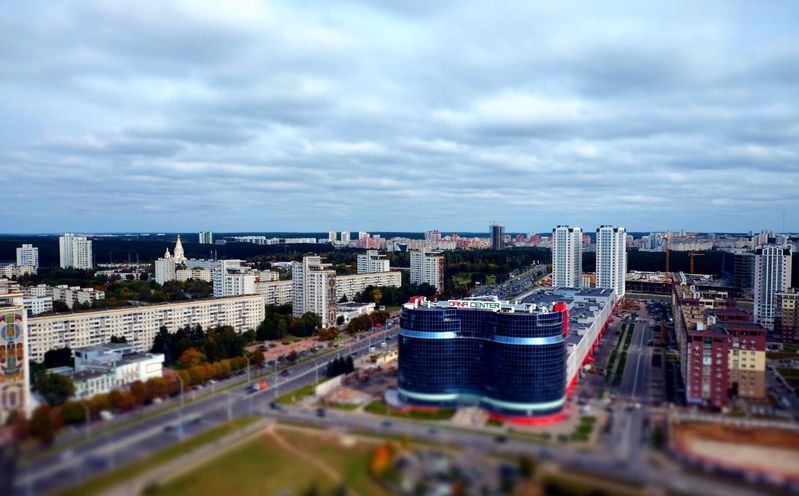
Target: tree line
pixel 279 323
pixel 215 344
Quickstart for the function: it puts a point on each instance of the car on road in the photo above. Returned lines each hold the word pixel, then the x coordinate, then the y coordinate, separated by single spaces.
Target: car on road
pixel 285 373
pixel 320 412
pixel 501 439
pixel 386 423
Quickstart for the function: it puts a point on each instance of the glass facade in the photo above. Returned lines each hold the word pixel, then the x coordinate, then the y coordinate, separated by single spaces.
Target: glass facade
pixel 511 363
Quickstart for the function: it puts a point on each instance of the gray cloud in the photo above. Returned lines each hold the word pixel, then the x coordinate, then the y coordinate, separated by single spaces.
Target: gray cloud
pixel 189 115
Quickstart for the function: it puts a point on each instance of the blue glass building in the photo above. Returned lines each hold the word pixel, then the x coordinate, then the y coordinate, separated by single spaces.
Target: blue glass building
pixel 508 359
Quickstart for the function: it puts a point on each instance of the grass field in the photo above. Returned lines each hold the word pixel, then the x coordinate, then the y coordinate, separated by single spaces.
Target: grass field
pixel 265 466
pixel 110 479
pixel 297 395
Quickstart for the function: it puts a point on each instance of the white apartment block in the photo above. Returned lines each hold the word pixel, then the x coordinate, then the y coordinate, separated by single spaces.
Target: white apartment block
pixel 71 295
pixel 196 273
pixel 139 325
pixel 75 252
pixel 28 255
pixel 13 271
pixel 372 261
pixel 345 236
pixel 567 257
pixel 274 292
pixel 36 305
pixel 427 268
pixel 314 289
pixel 772 276
pixel 351 285
pixel 206 238
pixel 331 235
pixel 231 278
pixel 611 258
pixel 363 235
pixel 165 270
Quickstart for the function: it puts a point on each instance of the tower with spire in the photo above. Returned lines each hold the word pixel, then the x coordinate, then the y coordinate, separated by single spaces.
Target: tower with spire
pixel 177 252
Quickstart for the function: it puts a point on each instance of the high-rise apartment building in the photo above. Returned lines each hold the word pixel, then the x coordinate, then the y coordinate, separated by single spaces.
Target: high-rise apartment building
pixel 233 279
pixel 165 268
pixel 314 289
pixel 567 256
pixel 427 268
pixel 14 391
pixel 206 238
pixel 772 276
pixel 345 236
pixel 372 261
pixel 611 258
pixel 497 237
pixel 28 255
pixel 331 235
pixel 75 252
pixel 434 235
pixel 363 235
pixel 738 268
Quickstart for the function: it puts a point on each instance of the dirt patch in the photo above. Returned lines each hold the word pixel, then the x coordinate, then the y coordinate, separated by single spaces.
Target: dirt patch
pixel 759 449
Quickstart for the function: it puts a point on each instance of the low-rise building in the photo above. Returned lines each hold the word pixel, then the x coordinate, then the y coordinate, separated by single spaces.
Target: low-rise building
pixel 103 368
pixel 350 310
pixel 70 295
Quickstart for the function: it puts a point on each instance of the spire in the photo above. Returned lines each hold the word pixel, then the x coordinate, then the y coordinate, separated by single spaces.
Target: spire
pixel 178 251
pixel 166 253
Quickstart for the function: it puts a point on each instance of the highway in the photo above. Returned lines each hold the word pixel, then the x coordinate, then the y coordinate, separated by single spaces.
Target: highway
pixel 108 450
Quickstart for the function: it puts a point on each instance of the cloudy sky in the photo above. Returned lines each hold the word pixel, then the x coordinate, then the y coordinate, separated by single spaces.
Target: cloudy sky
pixel 300 115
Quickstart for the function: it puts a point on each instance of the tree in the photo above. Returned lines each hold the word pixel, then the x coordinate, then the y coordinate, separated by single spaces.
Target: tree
pixel 60 306
pixel 191 357
pixel 73 412
pixel 119 339
pixel 41 425
pixel 377 295
pixel 139 392
pixel 156 387
pixel 55 388
pixel 59 357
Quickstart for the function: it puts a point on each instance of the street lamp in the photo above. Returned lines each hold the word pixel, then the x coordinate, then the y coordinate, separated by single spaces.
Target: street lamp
pixel 248 368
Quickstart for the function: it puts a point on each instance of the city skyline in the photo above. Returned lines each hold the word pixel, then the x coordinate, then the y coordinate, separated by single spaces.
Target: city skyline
pixel 301 117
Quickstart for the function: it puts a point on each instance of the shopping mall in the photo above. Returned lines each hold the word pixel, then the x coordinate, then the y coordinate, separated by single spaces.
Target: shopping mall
pixel 518 360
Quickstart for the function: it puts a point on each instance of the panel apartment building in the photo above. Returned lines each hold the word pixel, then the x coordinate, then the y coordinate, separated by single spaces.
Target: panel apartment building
pixel 140 324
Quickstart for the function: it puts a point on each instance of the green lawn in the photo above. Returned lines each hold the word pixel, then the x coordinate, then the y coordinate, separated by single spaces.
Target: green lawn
pixel 297 395
pixel 108 480
pixel 378 407
pixel 263 466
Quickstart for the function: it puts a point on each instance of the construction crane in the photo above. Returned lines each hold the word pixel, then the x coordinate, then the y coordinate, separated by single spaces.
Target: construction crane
pixel 692 255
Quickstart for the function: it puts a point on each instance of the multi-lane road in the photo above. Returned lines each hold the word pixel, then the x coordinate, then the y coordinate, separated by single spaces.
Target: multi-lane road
pixel 137 440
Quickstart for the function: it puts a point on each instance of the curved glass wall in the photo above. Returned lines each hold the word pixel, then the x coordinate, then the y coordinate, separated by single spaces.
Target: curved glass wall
pixel 509 363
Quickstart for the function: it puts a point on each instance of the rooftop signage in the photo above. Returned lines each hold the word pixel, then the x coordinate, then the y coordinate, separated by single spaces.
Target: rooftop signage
pixel 494 306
